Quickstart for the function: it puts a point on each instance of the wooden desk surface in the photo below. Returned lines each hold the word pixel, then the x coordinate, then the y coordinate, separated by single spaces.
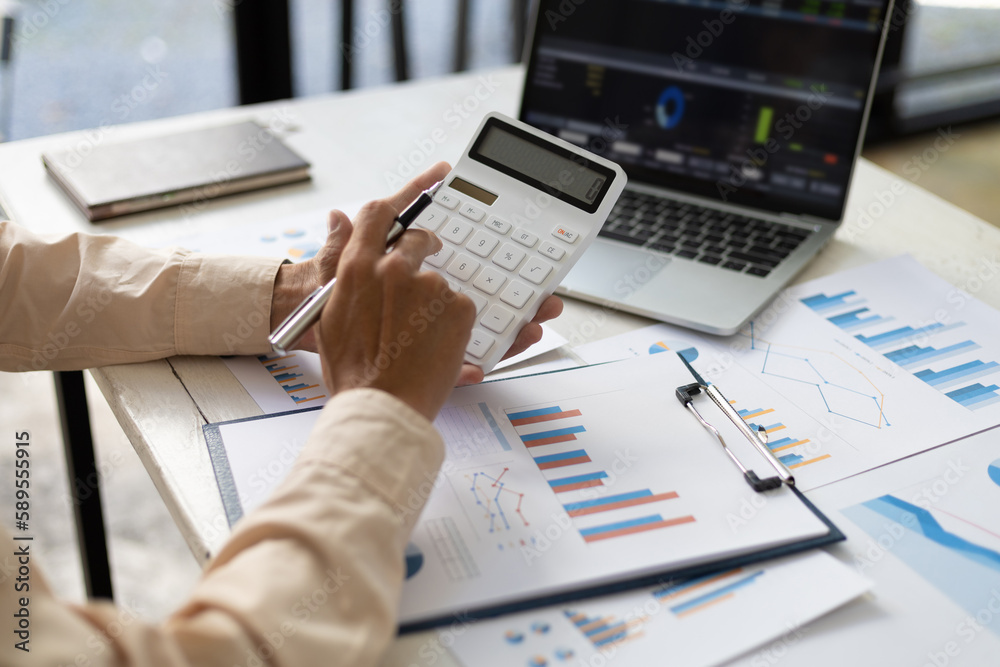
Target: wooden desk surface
pixel 361 144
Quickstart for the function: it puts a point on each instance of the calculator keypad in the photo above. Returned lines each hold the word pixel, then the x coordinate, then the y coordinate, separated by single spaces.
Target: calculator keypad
pixel 499 267
pixel 455 231
pixel 463 267
pixel 508 257
pixel 483 243
pixel 536 270
pixel 431 219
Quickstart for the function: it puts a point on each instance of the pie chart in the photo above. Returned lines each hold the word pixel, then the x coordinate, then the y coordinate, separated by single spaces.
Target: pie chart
pixel 994 472
pixel 414 559
pixel 688 353
pixel 670 108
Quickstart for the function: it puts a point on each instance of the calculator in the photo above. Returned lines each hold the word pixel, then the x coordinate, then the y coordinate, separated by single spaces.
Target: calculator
pixel 515 213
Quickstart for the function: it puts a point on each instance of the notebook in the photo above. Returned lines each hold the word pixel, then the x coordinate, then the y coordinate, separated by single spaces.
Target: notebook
pixel 113 179
pixel 739 125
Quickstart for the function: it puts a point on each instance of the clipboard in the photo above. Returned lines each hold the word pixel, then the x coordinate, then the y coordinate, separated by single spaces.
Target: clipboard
pixel 531 509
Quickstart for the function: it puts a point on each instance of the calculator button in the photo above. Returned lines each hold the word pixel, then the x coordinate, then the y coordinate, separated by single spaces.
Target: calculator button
pixel 567 235
pixel 477 299
pixel 516 294
pixel 463 267
pixel 498 225
pixel 551 250
pixel 497 319
pixel 438 259
pixel 535 270
pixel 508 257
pixel 472 213
pixel 483 243
pixel 525 238
pixel 480 344
pixel 431 219
pixel 490 280
pixel 456 231
pixel 446 200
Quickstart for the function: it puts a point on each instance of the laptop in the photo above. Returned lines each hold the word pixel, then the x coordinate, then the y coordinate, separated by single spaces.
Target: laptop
pixel 739 125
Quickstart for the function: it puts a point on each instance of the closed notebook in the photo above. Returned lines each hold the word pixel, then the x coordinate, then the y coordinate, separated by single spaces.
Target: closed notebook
pixel 127 177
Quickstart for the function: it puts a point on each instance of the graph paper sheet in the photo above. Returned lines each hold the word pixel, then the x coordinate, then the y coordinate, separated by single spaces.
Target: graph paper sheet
pixel 565 484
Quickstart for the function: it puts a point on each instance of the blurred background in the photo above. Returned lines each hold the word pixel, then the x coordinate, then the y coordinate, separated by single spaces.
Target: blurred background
pixel 76 64
pixel 82 63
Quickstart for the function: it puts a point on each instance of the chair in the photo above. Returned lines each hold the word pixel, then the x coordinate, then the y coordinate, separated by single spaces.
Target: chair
pixel 263 47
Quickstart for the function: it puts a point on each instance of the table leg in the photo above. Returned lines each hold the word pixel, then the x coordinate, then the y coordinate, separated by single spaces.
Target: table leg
pixel 346 44
pixel 84 483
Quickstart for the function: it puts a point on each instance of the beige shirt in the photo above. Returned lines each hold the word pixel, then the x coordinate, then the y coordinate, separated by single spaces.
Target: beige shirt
pixel 314 575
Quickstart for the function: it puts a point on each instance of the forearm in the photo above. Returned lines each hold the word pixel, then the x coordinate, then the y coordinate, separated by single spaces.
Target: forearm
pixel 83 301
pixel 313 576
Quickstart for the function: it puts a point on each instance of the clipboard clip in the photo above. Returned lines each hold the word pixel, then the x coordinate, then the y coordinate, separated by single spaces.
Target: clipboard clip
pixel 686 393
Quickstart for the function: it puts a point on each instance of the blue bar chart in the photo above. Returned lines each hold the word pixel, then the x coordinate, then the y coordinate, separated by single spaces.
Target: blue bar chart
pixel 946 364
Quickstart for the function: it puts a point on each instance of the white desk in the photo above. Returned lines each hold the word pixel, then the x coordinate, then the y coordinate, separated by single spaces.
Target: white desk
pixel 354 140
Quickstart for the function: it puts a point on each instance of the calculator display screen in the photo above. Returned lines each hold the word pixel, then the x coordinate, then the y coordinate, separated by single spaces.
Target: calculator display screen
pixel 546 166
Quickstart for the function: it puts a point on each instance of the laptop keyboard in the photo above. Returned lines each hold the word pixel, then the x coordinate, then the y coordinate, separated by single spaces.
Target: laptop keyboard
pixel 732 241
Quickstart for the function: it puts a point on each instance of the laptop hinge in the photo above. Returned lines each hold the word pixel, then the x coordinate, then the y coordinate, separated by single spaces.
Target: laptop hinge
pixel 809 221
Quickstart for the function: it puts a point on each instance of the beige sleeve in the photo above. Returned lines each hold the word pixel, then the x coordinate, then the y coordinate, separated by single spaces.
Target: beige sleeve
pixel 313 576
pixel 82 301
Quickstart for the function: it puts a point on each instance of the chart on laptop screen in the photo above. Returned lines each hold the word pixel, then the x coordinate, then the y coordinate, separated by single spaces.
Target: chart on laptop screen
pixel 722 99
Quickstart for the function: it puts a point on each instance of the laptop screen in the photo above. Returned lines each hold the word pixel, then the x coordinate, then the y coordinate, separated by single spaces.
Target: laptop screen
pixel 752 102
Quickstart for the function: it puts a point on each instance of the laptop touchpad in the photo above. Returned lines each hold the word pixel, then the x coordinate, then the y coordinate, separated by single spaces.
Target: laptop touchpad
pixel 614 271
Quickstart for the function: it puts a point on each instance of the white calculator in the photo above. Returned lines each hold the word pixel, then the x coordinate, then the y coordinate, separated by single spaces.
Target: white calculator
pixel 514 215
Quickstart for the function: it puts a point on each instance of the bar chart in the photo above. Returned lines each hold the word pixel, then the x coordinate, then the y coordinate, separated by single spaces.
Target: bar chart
pixel 794 452
pixel 301 385
pixel 606 631
pixel 946 364
pixel 698 594
pixel 553 435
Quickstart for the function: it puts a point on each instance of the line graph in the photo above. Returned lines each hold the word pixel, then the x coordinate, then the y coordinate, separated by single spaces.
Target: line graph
pixel 498 509
pixel 841 387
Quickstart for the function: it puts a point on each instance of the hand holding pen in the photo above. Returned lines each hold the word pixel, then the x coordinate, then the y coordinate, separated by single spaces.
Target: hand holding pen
pixel 528 336
pixel 289 332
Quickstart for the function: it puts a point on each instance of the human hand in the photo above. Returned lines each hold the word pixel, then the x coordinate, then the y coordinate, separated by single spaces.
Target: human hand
pixel 295 282
pixel 529 334
pixel 388 325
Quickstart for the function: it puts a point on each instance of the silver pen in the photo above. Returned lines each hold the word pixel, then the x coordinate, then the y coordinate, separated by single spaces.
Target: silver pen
pixel 307 314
